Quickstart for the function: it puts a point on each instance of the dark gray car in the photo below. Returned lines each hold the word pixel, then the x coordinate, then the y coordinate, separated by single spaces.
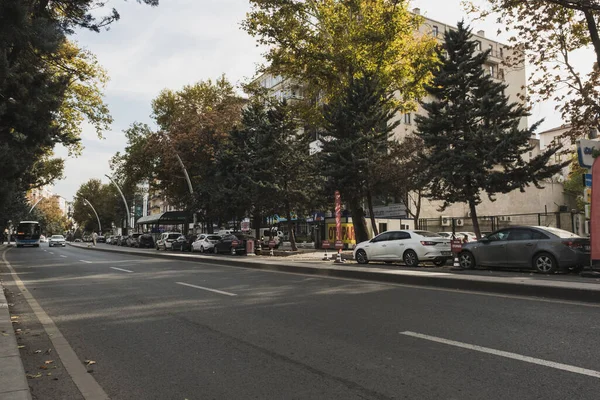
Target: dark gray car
pixel 541 248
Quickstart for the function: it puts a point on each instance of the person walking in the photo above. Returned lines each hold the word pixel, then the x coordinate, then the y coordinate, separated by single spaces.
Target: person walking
pixel 94 238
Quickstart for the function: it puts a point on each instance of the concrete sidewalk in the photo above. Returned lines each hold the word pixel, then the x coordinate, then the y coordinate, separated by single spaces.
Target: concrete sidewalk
pixel 571 288
pixel 13 384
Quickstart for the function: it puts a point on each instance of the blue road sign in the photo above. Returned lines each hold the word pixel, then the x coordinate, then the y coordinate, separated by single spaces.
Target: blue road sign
pixel 587 180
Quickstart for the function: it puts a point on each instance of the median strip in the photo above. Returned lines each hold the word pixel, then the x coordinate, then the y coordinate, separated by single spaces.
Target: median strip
pixel 506 354
pixel 208 289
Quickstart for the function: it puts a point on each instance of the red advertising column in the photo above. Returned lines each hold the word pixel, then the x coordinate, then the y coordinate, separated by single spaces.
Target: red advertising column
pixel 338 225
pixel 595 213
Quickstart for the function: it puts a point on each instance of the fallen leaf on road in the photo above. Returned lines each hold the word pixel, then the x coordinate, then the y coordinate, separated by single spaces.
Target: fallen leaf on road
pixel 37 351
pixel 90 362
pixel 14 317
pixel 48 351
pixel 43 367
pixel 4 334
pixel 21 347
pixel 49 374
pixel 38 375
pixel 48 362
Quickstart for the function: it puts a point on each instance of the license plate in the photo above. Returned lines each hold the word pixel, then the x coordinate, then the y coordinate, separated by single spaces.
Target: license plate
pixel 446 253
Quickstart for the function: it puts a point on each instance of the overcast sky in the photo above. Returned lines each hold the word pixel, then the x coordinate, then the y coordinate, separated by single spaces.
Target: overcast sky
pixel 181 42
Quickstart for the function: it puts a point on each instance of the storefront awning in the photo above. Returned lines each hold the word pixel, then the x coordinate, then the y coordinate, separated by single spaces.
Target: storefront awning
pixel 166 218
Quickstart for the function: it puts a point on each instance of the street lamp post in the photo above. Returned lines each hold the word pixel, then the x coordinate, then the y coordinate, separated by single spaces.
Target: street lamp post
pixel 97 217
pixel 124 201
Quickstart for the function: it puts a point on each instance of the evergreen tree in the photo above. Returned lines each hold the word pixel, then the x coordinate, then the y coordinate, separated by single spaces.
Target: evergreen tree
pixel 358 125
pixel 473 143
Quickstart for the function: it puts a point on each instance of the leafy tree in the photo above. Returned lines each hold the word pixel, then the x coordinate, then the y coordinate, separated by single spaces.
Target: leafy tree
pixel 358 126
pixel 547 34
pixel 471 133
pixel 106 201
pixel 573 185
pixel 50 216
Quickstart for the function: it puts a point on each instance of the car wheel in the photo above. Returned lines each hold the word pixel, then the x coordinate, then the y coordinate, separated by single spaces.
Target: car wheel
pixel 410 258
pixel 439 263
pixel 545 263
pixel 466 260
pixel 361 257
pixel 215 250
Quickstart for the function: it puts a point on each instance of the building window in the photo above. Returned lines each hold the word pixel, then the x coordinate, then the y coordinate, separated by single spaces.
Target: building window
pixel 492 71
pixel 435 31
pixel 407 118
pixel 501 74
pixel 501 52
pixel 557 157
pixel 478 45
pixel 531 154
pixel 382 227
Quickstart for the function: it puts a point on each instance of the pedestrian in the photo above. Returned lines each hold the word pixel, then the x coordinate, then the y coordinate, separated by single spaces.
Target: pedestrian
pixel 94 238
pixel 465 239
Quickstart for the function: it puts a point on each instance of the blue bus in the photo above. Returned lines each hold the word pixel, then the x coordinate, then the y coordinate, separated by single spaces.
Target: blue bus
pixel 28 234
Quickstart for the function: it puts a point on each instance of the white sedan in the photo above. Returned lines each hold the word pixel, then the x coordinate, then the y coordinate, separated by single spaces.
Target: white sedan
pixel 205 242
pixel 409 246
pixel 57 240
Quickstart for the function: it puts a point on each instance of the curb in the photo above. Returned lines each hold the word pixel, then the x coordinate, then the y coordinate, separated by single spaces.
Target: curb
pixel 542 289
pixel 13 384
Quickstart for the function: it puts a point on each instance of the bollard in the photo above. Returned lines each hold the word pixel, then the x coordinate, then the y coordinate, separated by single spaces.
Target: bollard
pixel 326 257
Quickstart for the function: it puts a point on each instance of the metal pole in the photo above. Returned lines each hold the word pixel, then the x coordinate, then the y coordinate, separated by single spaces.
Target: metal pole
pixel 124 201
pixel 189 183
pixel 36 203
pixel 97 217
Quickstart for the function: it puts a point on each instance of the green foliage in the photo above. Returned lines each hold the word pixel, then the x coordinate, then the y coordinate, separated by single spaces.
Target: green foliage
pixel 106 201
pixel 358 127
pixel 471 132
pixel 574 183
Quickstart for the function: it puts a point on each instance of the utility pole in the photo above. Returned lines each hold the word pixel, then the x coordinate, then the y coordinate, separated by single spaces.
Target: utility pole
pixel 97 217
pixel 124 202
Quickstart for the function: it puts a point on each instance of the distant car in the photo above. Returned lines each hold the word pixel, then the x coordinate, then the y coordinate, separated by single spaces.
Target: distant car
pixel 43 239
pixel 468 236
pixel 409 246
pixel 115 240
pixel 132 240
pixel 225 244
pixel 205 242
pixel 544 249
pixel 101 239
pixel 57 240
pixel 77 240
pixel 166 240
pixel 122 241
pixel 109 239
pixel 146 241
pixel 183 243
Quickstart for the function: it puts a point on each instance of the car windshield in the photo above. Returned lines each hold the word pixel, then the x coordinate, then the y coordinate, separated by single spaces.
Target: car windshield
pixel 559 232
pixel 427 234
pixel 173 236
pixel 57 237
pixel 214 237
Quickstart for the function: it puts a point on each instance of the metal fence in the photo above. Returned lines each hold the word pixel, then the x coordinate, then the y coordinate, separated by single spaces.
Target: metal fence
pixel 564 220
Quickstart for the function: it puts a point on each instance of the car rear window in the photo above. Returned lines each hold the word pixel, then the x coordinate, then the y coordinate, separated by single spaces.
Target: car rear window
pixel 173 236
pixel 559 232
pixel 427 234
pixel 214 237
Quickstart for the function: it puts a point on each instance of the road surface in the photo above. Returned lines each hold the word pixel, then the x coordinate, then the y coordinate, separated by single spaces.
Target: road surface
pixel 168 329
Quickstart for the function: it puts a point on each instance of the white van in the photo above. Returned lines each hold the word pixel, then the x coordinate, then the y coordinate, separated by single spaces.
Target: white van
pixel 266 233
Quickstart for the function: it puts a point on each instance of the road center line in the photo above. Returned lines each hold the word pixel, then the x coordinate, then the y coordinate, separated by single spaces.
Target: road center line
pixel 85 382
pixel 121 269
pixel 514 356
pixel 87 262
pixel 205 288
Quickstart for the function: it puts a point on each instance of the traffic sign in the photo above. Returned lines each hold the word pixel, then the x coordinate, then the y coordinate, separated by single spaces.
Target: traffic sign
pixel 271 244
pixel 456 245
pixel 587 180
pixel 325 244
pixel 339 244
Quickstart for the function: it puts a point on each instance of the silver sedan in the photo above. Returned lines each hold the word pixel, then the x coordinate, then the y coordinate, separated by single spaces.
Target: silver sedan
pixel 544 249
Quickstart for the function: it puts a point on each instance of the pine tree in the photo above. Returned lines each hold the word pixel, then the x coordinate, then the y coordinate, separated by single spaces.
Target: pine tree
pixel 358 126
pixel 473 143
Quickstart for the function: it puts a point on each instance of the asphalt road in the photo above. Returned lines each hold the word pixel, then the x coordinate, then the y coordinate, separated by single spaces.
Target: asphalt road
pixel 166 329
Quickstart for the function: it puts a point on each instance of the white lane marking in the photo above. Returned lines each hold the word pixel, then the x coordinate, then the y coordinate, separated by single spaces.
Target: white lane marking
pixel 121 269
pixel 205 288
pixel 514 356
pixel 51 252
pixel 85 382
pixel 63 256
pixel 88 262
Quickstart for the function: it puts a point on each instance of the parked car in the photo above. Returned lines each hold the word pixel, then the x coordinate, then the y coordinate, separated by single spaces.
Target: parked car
pixel 77 240
pixel 115 240
pixel 183 243
pixel 146 241
pixel 409 246
pixel 122 241
pixel 101 239
pixel 225 244
pixel 544 249
pixel 132 240
pixel 57 240
pixel 166 240
pixel 205 242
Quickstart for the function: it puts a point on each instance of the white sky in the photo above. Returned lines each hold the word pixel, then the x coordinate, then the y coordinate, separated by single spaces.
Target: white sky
pixel 184 41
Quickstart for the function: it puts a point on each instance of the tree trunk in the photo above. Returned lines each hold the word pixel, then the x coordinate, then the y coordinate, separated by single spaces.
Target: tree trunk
pixel 256 220
pixel 358 219
pixel 371 214
pixel 474 219
pixel 290 224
